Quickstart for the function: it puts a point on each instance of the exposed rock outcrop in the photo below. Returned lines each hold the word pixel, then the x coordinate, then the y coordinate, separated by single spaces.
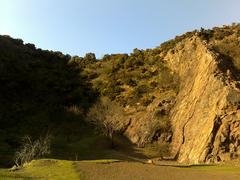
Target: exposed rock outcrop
pixel 151 123
pixel 205 119
pixel 205 114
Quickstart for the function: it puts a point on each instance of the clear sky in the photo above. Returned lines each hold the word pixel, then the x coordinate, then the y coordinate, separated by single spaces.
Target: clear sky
pixel 109 26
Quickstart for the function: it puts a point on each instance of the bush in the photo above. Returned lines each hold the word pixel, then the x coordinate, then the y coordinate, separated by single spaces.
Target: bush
pixel 31 150
pixel 146 100
pixel 112 90
pixel 142 89
pixel 130 82
pixel 107 117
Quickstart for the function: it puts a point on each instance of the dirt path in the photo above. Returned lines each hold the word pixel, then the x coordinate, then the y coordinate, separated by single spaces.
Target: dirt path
pixel 140 171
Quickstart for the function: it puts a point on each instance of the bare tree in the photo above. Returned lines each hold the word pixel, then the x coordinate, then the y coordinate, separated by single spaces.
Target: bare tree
pixel 108 117
pixel 32 150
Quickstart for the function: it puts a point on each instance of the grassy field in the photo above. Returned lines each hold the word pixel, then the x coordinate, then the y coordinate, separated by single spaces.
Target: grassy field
pixel 43 169
pixel 116 170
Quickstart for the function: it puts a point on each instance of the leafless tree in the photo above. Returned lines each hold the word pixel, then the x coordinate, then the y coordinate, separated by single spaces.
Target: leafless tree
pixel 108 117
pixel 31 149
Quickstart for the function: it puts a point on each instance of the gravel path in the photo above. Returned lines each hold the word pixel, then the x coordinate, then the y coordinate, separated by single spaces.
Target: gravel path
pixel 141 171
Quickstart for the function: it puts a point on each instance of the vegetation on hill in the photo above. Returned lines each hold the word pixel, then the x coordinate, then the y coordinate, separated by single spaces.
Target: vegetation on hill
pixel 36 84
pixel 225 40
pixel 131 79
pixel 44 91
pixel 37 93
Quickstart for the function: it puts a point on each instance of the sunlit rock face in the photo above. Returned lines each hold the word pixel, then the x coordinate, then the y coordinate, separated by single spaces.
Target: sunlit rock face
pixel 204 114
pixel 205 118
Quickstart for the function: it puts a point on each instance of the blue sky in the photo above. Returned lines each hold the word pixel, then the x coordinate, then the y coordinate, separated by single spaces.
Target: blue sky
pixel 109 26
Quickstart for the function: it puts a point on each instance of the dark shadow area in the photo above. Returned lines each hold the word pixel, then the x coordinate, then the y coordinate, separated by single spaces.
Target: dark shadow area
pixel 44 92
pixel 125 146
pixel 40 92
pixel 90 146
pixel 194 165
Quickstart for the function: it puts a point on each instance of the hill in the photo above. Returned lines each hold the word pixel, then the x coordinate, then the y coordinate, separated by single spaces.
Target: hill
pixel 182 97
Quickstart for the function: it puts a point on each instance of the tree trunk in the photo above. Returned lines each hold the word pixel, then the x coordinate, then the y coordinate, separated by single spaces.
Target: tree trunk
pixel 111 138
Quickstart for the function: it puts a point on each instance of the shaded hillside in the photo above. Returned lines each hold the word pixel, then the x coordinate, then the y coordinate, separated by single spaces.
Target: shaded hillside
pixel 38 89
pixel 34 81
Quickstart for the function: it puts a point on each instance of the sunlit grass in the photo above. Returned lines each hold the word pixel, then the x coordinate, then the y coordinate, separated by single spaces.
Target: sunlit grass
pixel 49 169
pixel 43 169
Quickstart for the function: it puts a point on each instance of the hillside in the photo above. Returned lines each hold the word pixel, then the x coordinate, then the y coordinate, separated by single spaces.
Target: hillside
pixel 192 109
pixel 182 97
pixel 38 90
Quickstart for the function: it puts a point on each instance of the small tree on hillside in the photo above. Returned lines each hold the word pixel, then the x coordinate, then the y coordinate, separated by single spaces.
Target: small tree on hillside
pixel 108 117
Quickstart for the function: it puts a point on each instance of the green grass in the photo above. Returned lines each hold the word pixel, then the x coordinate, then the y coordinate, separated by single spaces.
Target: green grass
pixel 63 169
pixel 43 169
pixel 50 169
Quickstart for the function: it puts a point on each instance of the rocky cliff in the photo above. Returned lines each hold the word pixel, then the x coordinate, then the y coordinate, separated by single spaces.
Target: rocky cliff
pixel 205 118
pixel 205 114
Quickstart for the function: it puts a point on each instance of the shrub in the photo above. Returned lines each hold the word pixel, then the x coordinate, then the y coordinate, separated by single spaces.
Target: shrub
pixel 107 117
pixel 142 89
pixel 146 100
pixel 129 81
pixel 112 90
pixel 31 150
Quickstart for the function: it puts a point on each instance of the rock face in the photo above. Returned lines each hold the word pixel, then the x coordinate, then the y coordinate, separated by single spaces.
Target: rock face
pixel 205 115
pixel 205 118
pixel 145 127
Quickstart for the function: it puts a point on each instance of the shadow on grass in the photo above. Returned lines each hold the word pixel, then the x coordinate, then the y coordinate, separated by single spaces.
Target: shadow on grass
pixel 86 145
pixel 95 147
pixel 195 166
